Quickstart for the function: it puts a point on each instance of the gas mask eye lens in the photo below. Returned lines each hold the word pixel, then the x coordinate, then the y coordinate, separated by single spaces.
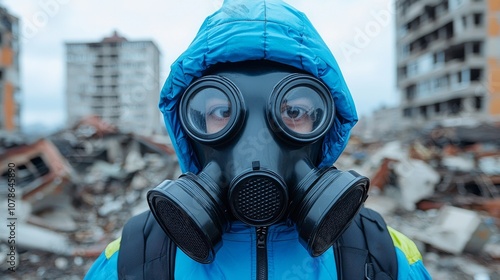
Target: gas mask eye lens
pixel 300 108
pixel 211 108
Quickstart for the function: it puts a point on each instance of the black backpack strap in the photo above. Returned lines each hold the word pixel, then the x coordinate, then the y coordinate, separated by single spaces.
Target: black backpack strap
pixel 145 251
pixel 365 250
pixel 381 248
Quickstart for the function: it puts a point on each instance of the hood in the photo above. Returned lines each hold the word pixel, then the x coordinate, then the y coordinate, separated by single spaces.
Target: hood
pixel 244 30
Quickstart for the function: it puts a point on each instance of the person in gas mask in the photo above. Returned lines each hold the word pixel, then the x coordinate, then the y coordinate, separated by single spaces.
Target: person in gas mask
pixel 258 112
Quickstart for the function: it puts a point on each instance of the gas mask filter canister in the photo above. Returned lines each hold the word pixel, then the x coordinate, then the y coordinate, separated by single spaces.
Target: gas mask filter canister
pixel 274 181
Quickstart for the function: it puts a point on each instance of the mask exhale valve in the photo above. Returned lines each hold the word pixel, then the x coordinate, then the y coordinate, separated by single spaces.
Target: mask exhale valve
pixel 258 197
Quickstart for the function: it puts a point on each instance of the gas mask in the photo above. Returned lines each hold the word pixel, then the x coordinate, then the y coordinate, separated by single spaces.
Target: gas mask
pixel 257 134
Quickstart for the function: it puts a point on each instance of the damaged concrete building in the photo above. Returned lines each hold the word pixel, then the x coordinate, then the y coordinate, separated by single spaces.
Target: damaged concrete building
pixel 448 63
pixel 116 79
pixel 10 109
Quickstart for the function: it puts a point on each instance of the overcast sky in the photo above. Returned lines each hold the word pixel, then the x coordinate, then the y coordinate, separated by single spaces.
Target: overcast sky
pixel 360 34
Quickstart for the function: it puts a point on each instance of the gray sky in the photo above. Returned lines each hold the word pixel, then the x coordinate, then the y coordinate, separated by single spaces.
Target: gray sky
pixel 360 34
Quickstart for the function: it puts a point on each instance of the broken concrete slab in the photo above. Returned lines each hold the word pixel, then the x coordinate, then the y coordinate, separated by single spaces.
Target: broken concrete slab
pixel 34 237
pixel 456 230
pixel 490 165
pixel 458 163
pixel 54 219
pixel 416 180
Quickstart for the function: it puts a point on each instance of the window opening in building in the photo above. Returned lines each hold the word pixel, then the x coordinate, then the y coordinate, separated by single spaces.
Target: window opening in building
pixel 439 57
pixel 475 74
pixel 478 19
pixel 478 103
pixel 402 71
pixel 477 47
pixel 449 30
pixel 423 111
pixel 407 112
pixel 40 165
pixel 437 107
pixel 455 106
pixel 430 12
pixel 24 176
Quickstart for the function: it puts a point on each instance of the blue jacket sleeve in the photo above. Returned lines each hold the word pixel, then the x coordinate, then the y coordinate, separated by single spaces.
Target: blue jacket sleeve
pixel 410 263
pixel 105 266
pixel 411 271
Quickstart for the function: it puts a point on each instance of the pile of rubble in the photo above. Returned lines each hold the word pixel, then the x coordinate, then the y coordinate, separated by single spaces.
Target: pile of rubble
pixel 442 189
pixel 76 189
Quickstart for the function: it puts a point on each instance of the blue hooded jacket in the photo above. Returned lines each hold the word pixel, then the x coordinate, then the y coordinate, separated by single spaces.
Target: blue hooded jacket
pixel 257 30
pixel 271 30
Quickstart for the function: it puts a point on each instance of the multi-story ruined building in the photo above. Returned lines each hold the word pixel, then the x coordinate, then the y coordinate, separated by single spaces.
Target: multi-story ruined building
pixel 116 80
pixel 9 72
pixel 448 59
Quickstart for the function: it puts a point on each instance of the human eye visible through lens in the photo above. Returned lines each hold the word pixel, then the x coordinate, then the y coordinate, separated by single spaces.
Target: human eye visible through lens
pixel 297 114
pixel 218 113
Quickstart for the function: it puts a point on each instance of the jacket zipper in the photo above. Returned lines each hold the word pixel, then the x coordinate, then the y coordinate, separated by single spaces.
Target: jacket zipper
pixel 262 253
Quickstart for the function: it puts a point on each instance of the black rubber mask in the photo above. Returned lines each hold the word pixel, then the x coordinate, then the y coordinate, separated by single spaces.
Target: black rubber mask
pixel 258 136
